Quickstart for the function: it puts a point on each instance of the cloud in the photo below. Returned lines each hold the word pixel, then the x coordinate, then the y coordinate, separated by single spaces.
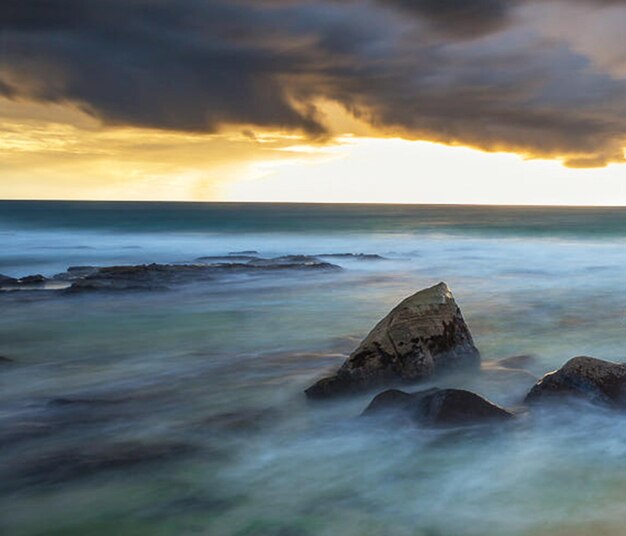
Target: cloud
pixel 460 17
pixel 473 73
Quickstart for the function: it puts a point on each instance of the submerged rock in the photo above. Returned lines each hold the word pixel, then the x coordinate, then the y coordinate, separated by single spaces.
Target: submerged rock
pixel 424 334
pixel 358 256
pixel 599 381
pixel 160 276
pixel 226 258
pixel 438 407
pixel 32 279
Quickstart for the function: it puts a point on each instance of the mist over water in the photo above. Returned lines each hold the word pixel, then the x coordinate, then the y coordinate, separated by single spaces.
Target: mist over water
pixel 219 368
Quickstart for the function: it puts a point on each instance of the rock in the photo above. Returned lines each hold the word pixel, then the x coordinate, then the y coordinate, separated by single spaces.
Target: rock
pixel 6 360
pixel 160 276
pixel 287 260
pixel 424 334
pixel 32 279
pixel 523 362
pixel 438 407
pixel 357 256
pixel 227 258
pixel 245 252
pixel 601 382
pixel 6 280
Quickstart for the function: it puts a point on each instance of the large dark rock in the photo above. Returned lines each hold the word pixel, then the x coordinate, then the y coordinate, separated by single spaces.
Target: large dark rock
pixel 438 407
pixel 161 276
pixel 598 381
pixel 424 334
pixel 32 279
pixel 6 280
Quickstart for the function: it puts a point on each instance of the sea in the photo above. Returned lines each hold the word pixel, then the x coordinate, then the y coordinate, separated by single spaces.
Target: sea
pixel 181 410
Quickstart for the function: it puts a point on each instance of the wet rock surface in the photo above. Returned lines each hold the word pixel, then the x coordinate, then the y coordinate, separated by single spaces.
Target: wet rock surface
pixel 26 282
pixel 438 407
pixel 161 276
pixel 158 276
pixel 32 279
pixel 596 380
pixel 424 334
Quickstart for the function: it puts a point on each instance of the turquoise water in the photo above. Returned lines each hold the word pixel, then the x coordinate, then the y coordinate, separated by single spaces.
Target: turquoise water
pixel 220 366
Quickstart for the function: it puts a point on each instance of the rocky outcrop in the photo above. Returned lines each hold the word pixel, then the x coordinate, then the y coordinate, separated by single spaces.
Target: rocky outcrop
pixel 601 382
pixel 6 280
pixel 161 276
pixel 424 334
pixel 438 407
pixel 32 279
pixel 26 281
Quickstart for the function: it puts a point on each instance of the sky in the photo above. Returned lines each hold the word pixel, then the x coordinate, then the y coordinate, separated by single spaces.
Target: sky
pixel 394 101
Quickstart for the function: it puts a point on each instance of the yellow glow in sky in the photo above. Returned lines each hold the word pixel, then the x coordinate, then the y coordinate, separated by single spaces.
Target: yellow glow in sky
pixel 56 152
pixel 370 170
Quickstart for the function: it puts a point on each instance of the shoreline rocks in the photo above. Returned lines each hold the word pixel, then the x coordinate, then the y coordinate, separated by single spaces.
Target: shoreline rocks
pixel 598 381
pixel 161 276
pixel 424 334
pixel 155 276
pixel 439 407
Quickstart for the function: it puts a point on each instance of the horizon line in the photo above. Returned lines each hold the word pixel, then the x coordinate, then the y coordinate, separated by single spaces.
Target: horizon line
pixel 309 203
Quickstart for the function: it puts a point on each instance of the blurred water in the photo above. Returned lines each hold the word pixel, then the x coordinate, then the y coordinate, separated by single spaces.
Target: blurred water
pixel 221 366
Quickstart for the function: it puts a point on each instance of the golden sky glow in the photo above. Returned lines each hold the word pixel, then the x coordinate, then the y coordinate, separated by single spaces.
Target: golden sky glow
pixel 421 101
pixel 58 152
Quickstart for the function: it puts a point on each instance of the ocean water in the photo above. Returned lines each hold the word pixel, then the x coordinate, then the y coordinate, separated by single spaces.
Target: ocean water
pixel 218 368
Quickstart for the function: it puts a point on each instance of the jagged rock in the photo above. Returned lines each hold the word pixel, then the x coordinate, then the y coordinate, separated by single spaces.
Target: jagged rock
pixel 438 407
pixel 424 334
pixel 599 381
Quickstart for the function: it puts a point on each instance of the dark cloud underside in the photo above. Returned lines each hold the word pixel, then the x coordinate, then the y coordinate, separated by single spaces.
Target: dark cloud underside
pixel 448 70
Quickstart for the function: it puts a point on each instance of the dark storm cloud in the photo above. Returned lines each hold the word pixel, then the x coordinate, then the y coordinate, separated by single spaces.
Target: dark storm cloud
pixel 447 70
pixel 460 17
